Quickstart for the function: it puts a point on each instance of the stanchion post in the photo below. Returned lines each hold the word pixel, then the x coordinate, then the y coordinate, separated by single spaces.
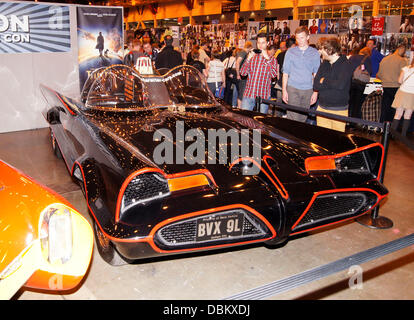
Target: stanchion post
pixel 257 104
pixel 374 220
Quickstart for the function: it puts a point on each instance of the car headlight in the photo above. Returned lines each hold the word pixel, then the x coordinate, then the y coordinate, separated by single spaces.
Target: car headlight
pixel 362 160
pixel 144 188
pixel 56 236
pixel 152 185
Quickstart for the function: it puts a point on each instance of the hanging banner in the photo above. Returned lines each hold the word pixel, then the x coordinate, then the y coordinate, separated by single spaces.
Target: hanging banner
pixel 100 39
pixel 252 30
pixel 175 31
pixel 377 26
pixel 28 27
pixel 230 7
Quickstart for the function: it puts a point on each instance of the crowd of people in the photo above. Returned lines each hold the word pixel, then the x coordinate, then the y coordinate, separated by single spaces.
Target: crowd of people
pixel 320 76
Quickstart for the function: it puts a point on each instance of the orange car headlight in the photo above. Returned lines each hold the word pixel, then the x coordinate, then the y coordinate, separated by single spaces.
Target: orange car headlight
pixel 320 164
pixel 187 182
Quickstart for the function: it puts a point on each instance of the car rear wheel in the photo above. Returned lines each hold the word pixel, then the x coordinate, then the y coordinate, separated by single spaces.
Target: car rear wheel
pixel 106 248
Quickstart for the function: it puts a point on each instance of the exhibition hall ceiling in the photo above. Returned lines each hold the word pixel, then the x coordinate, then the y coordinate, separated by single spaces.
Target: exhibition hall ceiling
pixel 124 3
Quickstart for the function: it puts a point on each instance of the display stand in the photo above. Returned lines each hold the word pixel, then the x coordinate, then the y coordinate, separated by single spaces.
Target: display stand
pixel 374 220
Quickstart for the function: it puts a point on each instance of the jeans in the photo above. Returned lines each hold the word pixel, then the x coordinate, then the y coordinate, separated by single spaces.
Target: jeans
pixel 212 87
pixel 235 94
pixel 249 104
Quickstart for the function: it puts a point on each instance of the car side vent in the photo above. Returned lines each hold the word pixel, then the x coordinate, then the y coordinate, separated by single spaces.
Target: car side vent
pixel 336 206
pixel 353 162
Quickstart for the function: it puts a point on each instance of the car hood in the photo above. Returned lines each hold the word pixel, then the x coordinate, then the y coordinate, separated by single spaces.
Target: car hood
pixel 287 145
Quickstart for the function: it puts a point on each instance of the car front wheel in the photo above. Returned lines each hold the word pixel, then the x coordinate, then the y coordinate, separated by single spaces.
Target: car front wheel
pixel 106 248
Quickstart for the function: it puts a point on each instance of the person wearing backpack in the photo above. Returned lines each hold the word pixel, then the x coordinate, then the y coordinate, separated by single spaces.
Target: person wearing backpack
pixel 240 60
pixel 231 76
pixel 360 61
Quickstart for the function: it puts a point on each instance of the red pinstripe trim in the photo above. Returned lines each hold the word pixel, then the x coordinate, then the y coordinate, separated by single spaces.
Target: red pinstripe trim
pixel 316 194
pixel 340 155
pixel 150 238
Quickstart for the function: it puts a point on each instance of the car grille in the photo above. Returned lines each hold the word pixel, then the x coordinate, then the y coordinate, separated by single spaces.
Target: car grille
pixel 184 232
pixel 143 188
pixel 337 206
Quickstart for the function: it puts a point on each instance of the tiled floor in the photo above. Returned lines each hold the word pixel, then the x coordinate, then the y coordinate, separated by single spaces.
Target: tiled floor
pixel 221 274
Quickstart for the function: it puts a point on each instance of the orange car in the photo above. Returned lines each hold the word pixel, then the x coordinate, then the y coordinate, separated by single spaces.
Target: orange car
pixel 44 242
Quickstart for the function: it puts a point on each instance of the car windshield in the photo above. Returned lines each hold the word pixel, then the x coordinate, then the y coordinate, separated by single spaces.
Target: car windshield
pixel 122 88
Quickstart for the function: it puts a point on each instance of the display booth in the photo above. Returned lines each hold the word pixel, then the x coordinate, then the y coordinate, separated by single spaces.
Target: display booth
pixel 389 31
pixel 55 45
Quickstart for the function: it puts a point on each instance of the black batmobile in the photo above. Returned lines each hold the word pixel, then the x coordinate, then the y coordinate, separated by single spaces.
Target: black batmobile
pixel 123 142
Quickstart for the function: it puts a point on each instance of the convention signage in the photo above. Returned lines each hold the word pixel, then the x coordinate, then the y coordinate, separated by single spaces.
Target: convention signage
pixel 377 26
pixel 230 7
pixel 29 27
pixel 100 40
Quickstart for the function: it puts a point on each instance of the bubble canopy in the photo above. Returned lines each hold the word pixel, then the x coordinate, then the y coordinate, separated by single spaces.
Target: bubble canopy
pixel 122 88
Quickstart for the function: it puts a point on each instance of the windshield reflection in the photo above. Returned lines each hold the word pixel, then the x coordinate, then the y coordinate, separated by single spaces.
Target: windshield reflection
pixel 122 88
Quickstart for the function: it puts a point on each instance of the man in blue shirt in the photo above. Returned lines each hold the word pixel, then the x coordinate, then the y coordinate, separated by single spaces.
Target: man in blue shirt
pixel 299 68
pixel 376 57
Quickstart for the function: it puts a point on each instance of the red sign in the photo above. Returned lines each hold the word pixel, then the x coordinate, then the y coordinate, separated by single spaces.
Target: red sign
pixel 377 26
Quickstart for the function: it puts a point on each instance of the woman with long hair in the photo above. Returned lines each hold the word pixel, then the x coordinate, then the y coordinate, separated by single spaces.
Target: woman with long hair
pixel 215 71
pixel 404 99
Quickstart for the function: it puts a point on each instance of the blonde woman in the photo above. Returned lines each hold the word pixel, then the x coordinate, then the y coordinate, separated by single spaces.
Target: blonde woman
pixel 215 72
pixel 404 98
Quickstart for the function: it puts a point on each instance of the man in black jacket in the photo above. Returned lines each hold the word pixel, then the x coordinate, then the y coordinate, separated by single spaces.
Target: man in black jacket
pixel 168 57
pixel 332 81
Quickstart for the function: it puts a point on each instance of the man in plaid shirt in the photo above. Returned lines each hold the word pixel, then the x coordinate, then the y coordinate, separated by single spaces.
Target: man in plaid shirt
pixel 260 69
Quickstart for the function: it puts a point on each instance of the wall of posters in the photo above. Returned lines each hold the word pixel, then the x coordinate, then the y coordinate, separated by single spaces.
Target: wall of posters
pixel 33 27
pixel 100 39
pixel 252 30
pixel 282 27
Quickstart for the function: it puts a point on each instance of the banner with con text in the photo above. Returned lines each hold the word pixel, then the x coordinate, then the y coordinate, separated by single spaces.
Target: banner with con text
pixel 29 27
pixel 100 39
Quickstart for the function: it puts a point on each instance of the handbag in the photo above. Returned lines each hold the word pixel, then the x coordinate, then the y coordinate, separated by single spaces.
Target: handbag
pixel 219 92
pixel 241 64
pixel 231 73
pixel 360 75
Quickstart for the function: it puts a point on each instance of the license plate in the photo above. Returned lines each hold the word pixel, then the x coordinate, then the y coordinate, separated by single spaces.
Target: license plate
pixel 219 227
